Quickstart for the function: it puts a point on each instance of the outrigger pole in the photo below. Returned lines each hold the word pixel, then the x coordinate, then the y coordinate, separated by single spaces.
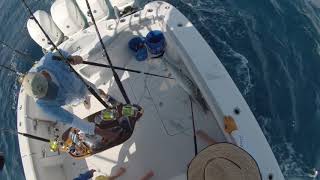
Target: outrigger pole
pixel 93 92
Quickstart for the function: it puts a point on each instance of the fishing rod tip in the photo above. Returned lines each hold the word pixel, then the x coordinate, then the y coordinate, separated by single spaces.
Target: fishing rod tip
pixel 2 160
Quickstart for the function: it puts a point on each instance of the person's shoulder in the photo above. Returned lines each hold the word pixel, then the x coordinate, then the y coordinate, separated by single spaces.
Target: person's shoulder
pixel 48 57
pixel 42 63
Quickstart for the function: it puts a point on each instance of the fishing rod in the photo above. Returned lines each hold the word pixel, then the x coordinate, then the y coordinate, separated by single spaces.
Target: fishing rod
pixel 92 91
pixel 118 68
pixel 29 57
pixel 194 129
pixel 24 134
pixel 116 77
pixel 125 69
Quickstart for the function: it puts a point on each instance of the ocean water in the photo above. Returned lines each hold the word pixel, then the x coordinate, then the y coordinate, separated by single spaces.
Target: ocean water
pixel 271 48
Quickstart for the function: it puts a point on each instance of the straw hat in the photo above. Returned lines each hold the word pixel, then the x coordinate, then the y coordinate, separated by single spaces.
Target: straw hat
pixel 223 161
pixel 35 85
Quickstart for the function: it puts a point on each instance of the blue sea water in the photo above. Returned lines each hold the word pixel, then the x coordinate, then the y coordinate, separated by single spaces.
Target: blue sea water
pixel 271 48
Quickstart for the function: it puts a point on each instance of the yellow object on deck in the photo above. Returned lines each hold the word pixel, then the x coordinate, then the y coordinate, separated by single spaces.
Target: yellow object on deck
pixel 54 145
pixel 229 124
pixel 107 115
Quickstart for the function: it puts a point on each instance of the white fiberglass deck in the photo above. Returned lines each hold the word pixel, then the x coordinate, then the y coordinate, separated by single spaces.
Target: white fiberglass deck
pixel 163 139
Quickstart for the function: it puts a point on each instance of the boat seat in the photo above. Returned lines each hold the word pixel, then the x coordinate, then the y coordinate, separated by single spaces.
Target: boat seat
pixel 122 4
pixel 48 25
pixel 99 9
pixel 67 16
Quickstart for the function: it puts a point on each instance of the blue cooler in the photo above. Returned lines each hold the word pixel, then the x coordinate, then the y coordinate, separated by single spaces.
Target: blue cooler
pixel 156 42
pixel 136 44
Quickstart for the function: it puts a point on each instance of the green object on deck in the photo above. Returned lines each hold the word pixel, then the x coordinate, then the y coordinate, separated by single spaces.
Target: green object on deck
pixel 108 115
pixel 128 110
pixel 54 146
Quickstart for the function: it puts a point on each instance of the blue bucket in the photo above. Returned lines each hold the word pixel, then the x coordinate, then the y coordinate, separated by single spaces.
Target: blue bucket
pixel 137 45
pixel 156 42
pixel 142 54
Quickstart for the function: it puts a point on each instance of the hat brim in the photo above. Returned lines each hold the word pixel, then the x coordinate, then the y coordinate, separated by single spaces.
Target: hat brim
pixel 246 163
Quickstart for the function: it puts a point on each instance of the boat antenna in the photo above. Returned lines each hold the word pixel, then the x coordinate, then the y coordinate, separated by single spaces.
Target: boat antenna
pixel 116 77
pixel 92 91
pixel 24 134
pixel 27 56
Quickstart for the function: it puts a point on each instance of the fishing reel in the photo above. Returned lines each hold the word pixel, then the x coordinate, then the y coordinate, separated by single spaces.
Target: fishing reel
pixel 127 110
pixel 130 110
pixel 55 144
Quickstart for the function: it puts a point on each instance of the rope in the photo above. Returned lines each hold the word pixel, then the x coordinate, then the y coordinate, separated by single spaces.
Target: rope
pixel 64 58
pixel 194 130
pixel 116 77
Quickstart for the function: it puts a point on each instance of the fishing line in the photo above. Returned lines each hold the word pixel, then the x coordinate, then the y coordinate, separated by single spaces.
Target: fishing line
pixel 12 70
pixel 27 56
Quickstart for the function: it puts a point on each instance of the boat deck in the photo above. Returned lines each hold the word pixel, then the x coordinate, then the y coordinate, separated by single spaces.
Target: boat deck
pixel 163 137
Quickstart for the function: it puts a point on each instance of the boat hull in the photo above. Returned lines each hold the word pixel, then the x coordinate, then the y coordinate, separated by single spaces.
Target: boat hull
pixel 165 128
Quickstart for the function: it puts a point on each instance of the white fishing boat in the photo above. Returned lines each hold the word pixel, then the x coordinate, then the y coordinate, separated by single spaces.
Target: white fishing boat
pixel 162 140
